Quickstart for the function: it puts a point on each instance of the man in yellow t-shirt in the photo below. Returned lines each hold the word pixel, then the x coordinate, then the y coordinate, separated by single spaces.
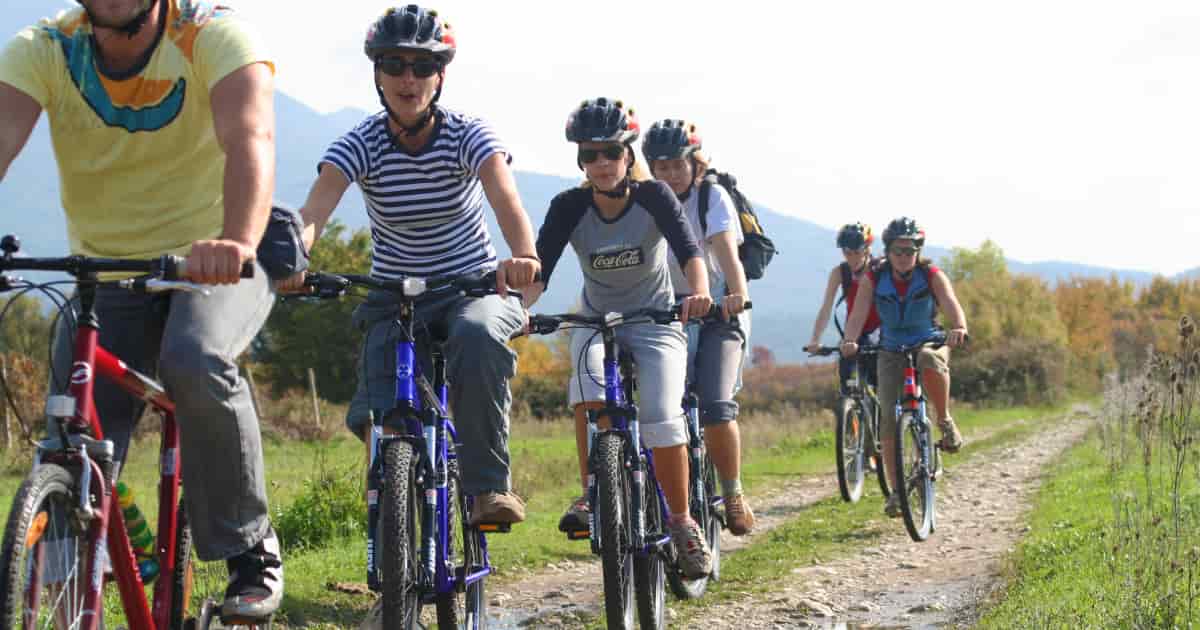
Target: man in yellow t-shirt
pixel 161 116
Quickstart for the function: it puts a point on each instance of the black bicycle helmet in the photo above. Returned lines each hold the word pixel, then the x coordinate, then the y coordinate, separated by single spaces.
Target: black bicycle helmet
pixel 671 140
pixel 855 236
pixel 411 28
pixel 602 120
pixel 906 228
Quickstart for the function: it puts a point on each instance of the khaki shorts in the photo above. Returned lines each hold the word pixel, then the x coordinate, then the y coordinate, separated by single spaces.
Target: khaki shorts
pixel 891 380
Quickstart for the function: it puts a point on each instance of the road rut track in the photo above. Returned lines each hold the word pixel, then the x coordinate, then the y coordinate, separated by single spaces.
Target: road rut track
pixel 567 593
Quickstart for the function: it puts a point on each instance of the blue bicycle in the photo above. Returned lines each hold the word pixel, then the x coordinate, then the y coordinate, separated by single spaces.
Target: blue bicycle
pixel 414 488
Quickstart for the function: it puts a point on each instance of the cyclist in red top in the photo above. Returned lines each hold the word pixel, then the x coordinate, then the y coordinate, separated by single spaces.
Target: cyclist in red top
pixel 855 240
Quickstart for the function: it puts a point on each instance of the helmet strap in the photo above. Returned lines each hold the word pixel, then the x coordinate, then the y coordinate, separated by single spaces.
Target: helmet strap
pixel 423 121
pixel 618 191
pixel 683 197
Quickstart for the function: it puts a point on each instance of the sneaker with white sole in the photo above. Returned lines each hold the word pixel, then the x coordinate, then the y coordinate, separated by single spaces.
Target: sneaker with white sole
pixel 691 550
pixel 255 583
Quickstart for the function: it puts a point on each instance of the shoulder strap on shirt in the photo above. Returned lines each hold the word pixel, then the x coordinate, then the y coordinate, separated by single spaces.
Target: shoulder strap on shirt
pixel 704 191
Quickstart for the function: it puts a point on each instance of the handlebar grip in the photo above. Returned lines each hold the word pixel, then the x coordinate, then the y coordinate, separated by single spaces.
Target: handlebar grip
pixel 175 268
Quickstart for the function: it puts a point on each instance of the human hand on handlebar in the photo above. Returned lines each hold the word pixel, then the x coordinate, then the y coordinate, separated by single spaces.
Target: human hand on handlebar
pixel 695 306
pixel 517 273
pixel 292 284
pixel 849 349
pixel 218 261
pixel 956 337
pixel 812 347
pixel 732 305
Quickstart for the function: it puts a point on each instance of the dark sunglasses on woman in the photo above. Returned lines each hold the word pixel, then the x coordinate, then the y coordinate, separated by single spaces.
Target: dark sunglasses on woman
pixel 612 152
pixel 395 67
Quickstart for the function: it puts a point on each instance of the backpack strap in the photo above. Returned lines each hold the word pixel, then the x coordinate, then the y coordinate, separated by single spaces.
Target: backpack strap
pixel 704 191
pixel 847 278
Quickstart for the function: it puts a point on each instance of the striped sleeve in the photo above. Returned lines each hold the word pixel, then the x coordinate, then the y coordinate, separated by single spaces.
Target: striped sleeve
pixel 479 143
pixel 349 155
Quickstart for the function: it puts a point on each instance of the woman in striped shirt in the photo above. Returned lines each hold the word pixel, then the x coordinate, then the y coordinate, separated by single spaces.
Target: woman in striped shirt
pixel 424 171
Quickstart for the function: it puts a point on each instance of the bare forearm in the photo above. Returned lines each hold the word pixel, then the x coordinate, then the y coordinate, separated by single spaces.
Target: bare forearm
pixel 517 231
pixel 249 185
pixel 822 321
pixel 697 276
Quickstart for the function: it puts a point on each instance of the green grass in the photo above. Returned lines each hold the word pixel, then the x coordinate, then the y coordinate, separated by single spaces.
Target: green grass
pixel 545 472
pixel 1074 570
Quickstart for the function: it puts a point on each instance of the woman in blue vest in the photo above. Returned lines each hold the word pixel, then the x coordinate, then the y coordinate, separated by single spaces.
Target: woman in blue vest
pixel 907 291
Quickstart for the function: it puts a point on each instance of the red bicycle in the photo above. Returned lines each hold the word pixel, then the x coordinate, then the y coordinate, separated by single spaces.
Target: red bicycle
pixel 65 516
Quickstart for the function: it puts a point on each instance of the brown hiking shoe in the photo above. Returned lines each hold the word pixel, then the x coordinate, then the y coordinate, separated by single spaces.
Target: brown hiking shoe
pixel 497 507
pixel 738 515
pixel 952 440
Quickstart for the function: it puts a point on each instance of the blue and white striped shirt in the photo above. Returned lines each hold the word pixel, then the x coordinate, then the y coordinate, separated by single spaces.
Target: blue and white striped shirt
pixel 426 209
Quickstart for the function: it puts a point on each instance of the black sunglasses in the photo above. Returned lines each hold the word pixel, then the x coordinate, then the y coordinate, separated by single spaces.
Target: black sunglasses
pixel 395 67
pixel 612 152
pixel 904 251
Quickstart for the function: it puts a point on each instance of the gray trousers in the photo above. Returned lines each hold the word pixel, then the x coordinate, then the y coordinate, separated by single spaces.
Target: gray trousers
pixel 658 353
pixel 191 342
pixel 479 365
pixel 716 352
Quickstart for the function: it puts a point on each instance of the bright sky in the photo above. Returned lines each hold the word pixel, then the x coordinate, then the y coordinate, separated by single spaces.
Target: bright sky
pixel 1062 130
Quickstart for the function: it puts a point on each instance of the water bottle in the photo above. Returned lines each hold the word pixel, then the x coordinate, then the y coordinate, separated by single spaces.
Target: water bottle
pixel 140 536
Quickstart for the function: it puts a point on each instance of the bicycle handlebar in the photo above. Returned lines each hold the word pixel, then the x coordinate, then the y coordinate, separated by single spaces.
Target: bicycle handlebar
pixel 547 324
pixel 167 267
pixel 327 285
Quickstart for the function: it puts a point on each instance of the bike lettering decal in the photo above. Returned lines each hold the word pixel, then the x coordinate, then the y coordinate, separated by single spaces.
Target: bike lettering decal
pixel 81 373
pixel 623 259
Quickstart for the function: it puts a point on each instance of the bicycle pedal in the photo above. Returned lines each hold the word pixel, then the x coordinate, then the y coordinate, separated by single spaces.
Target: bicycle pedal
pixel 495 528
pixel 582 534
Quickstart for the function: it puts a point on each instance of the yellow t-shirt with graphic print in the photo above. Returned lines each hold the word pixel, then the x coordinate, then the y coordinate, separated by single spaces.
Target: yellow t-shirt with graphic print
pixel 141 170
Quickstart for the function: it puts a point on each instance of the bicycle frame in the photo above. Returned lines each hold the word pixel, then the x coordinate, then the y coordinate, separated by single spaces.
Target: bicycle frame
pixel 430 430
pixel 622 415
pixel 107 525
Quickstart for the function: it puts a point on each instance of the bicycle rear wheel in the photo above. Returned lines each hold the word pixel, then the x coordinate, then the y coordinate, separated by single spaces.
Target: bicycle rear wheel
pixel 914 485
pixel 470 609
pixel 650 570
pixel 849 444
pixel 44 558
pixel 874 440
pixel 612 516
pixel 398 537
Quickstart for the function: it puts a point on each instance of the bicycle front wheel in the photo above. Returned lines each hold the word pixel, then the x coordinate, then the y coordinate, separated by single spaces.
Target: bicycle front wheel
pixel 398 537
pixel 470 610
pixel 612 515
pixel 874 440
pixel 914 485
pixel 849 444
pixel 44 557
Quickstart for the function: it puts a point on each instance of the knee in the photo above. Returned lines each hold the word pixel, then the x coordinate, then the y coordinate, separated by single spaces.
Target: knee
pixel 718 412
pixel 186 366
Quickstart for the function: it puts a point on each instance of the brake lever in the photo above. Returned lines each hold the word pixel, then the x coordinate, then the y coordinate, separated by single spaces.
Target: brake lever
pixel 155 285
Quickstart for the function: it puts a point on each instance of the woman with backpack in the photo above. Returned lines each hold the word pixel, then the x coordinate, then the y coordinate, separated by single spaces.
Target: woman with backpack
pixel 715 349
pixel 907 290
pixel 623 230
pixel 854 239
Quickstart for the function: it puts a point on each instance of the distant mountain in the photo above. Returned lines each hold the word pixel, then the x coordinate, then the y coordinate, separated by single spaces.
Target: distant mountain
pixel 785 301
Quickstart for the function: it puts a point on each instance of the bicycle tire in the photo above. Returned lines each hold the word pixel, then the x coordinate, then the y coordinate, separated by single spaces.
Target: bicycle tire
pixel 712 529
pixel 848 446
pixel 398 537
pixel 183 577
pixel 649 570
pixel 872 437
pixel 470 609
pixel 612 516
pixel 914 485
pixel 46 491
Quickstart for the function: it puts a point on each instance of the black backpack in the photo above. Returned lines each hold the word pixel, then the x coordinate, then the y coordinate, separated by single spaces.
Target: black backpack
pixel 756 251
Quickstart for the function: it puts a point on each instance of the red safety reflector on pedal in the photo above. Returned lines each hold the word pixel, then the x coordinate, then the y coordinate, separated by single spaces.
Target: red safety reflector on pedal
pixel 495 528
pixel 578 535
